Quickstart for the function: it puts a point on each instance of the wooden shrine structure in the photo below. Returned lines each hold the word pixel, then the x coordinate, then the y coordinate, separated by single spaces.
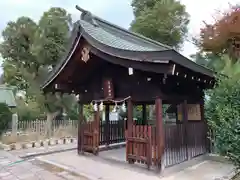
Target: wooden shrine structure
pixel 106 64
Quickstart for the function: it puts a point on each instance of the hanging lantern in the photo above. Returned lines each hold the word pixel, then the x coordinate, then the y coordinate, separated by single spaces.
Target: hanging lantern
pixel 101 106
pixel 95 107
pixel 124 107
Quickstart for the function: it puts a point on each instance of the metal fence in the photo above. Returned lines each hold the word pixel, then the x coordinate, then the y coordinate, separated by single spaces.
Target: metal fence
pixel 112 132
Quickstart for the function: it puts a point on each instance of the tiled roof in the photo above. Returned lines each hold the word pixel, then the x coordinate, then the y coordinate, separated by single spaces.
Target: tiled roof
pixel 118 38
pixel 117 41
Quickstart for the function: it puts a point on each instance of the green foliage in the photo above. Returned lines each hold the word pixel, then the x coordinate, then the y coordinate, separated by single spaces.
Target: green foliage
pixel 73 112
pixel 88 111
pixel 15 50
pixel 28 111
pixel 5 117
pixel 223 112
pixel 209 60
pixel 30 49
pixel 161 20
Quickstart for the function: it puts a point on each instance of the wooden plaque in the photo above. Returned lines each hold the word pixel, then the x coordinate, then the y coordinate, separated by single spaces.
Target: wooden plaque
pixel 194 112
pixel 108 89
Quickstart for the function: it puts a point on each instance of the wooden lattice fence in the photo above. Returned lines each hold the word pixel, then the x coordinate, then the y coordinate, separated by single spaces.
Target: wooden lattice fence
pixel 40 126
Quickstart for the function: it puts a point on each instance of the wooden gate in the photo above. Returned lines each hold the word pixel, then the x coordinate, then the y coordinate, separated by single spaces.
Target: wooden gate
pixel 139 146
pixel 90 137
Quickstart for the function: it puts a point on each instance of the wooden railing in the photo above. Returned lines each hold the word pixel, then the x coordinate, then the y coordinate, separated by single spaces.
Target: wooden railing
pixel 40 126
pixel 181 143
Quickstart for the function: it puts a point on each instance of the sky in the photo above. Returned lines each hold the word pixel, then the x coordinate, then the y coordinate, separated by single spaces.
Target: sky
pixel 116 11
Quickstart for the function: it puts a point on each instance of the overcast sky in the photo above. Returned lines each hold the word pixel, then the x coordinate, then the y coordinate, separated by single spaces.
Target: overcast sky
pixel 115 11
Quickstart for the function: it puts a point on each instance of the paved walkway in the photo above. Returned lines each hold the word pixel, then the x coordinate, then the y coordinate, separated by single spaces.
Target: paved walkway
pixel 95 168
pixel 101 168
pixel 13 168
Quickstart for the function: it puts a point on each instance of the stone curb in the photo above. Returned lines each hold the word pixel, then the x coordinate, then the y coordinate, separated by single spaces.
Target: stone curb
pixel 71 170
pixel 34 154
pixel 34 144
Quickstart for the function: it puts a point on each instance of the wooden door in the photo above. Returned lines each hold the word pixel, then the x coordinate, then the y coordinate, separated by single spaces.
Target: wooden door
pixel 139 146
pixel 91 135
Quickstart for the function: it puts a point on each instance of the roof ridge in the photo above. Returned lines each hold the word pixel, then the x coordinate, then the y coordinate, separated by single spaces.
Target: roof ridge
pixel 123 29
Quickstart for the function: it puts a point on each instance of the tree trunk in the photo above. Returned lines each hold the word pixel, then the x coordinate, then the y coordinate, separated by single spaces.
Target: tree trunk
pixel 50 118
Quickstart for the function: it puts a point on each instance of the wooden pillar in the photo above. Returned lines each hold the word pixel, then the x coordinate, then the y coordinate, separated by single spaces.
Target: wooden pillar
pixel 130 117
pixel 129 145
pixel 96 131
pixel 144 114
pixel 185 125
pixel 206 129
pixel 80 129
pixel 107 126
pixel 159 131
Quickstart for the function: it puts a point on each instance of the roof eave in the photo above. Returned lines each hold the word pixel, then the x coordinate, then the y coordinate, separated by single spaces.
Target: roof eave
pixel 134 55
pixel 63 63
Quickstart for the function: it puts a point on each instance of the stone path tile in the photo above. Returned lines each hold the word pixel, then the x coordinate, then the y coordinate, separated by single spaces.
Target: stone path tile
pixel 100 169
pixel 23 170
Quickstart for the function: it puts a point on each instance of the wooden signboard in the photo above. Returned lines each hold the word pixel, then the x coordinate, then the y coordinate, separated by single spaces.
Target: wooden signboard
pixel 108 89
pixel 194 112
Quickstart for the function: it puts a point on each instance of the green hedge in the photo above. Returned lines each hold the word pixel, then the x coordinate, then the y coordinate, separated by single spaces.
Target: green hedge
pixel 223 114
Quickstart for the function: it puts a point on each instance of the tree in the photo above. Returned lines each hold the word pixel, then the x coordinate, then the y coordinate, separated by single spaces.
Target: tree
pixel 28 111
pixel 15 49
pixel 223 111
pixel 222 37
pixel 209 60
pixel 30 50
pixel 160 20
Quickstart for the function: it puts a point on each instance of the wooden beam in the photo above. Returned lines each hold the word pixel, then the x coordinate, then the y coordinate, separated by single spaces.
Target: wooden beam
pixel 164 68
pixel 106 128
pixel 80 128
pixel 144 114
pixel 97 129
pixel 190 76
pixel 159 131
pixel 129 148
pixel 185 125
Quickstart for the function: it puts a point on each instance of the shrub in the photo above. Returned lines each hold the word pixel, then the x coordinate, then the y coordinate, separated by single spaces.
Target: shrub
pixel 223 114
pixel 5 117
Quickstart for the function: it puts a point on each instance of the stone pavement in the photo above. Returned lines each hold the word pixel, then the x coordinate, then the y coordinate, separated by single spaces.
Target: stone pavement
pixel 100 167
pixel 94 168
pixel 14 168
pixel 206 170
